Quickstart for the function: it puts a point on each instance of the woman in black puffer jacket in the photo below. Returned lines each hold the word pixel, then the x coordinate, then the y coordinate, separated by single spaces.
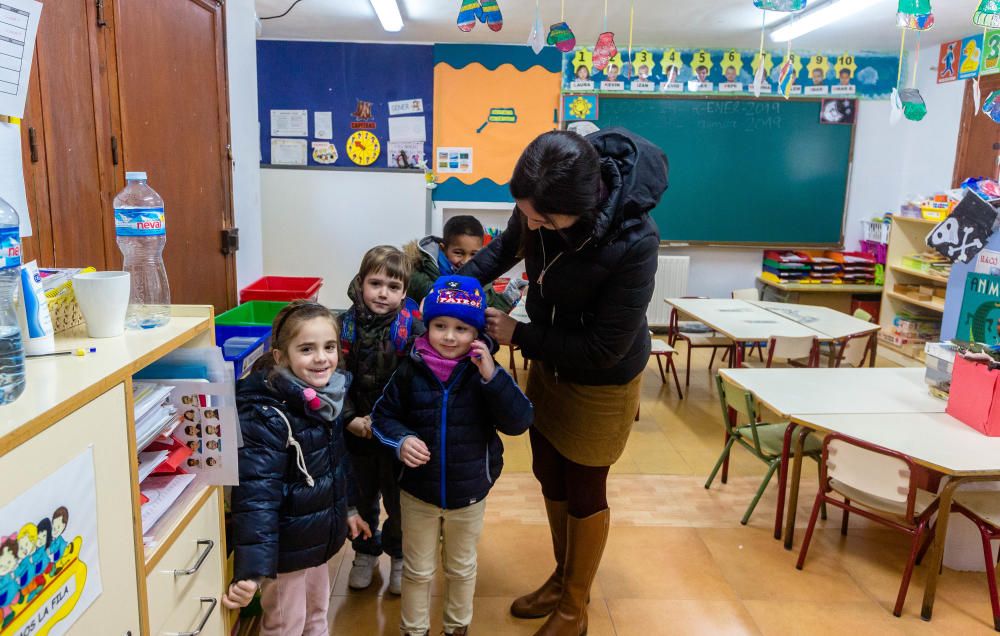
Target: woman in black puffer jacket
pixel 582 227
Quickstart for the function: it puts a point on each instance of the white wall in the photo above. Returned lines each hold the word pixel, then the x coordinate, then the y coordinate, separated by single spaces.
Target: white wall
pixel 321 222
pixel 241 55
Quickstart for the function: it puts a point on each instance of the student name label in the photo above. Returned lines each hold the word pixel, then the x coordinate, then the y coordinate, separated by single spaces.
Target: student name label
pixel 817 90
pixel 140 222
pixel 643 86
pixel 578 85
pixel 844 90
pixel 701 87
pixel 612 86
pixel 671 87
pixel 731 87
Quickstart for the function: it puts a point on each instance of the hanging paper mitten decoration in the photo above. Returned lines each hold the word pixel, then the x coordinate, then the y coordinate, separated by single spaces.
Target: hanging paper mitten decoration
pixel 535 39
pixel 992 106
pixel 561 36
pixel 895 108
pixel 913 104
pixel 988 14
pixel 785 6
pixel 916 15
pixel 604 50
pixel 491 14
pixel 469 12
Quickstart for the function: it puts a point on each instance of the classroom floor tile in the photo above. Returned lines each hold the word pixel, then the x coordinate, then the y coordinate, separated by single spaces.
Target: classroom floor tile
pixel 677 559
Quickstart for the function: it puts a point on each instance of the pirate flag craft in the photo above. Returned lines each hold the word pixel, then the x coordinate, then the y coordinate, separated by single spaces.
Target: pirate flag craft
pixel 964 234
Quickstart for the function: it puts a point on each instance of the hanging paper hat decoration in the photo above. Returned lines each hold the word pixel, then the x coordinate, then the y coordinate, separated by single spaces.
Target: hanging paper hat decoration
pixel 536 40
pixel 915 14
pixel 988 14
pixel 786 6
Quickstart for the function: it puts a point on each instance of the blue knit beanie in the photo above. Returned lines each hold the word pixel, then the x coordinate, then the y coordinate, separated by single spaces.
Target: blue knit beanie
pixel 458 297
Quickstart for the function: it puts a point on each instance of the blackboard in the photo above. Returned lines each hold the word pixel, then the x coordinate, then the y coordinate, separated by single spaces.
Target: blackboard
pixel 743 171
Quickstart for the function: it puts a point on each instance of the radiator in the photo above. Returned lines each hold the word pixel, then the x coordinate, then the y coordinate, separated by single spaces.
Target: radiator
pixel 671 282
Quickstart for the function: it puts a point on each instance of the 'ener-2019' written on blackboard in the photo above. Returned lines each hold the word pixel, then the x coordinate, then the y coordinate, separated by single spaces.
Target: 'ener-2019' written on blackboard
pixel 743 171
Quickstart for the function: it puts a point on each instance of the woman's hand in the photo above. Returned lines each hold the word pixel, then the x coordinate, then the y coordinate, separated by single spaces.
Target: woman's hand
pixel 361 426
pixel 356 526
pixel 483 360
pixel 500 326
pixel 413 452
pixel 240 594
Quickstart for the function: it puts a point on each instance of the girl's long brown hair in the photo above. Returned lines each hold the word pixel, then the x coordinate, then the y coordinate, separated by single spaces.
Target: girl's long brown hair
pixel 286 326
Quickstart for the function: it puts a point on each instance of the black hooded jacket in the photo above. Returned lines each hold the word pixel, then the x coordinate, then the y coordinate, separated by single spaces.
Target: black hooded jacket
pixel 281 521
pixel 588 311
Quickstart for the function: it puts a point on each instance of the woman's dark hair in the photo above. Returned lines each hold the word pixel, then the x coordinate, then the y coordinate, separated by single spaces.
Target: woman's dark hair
pixel 560 173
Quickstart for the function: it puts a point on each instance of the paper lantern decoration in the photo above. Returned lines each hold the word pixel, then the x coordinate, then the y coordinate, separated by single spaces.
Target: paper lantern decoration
pixel 988 14
pixel 916 15
pixel 992 106
pixel 786 6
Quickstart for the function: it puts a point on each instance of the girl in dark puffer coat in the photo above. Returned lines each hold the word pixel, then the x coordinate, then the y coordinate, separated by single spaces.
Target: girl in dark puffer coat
pixel 290 512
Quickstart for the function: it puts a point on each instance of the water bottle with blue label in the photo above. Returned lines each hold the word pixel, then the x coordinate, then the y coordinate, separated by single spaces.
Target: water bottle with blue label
pixel 142 233
pixel 11 348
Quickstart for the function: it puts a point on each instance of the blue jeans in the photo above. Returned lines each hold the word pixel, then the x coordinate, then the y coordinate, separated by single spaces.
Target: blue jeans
pixel 375 475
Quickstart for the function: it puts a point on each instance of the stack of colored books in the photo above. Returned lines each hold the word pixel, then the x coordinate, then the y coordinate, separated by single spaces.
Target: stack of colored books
pixel 820 268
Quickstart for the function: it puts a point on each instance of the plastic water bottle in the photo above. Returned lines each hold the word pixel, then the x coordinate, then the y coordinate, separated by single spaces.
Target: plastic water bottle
pixel 11 348
pixel 142 233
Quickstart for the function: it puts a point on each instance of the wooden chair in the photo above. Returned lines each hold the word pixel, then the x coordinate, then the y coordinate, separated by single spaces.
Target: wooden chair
pixel 834 352
pixel 983 509
pixel 711 341
pixel 763 440
pixel 512 364
pixel 800 351
pixel 748 294
pixel 878 484
pixel 659 350
pixel 854 351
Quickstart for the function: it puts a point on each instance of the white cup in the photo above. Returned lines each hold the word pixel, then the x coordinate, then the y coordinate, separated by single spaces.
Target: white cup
pixel 103 299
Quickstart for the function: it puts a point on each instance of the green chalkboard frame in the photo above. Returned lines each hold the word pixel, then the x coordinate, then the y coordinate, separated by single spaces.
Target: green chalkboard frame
pixel 788 235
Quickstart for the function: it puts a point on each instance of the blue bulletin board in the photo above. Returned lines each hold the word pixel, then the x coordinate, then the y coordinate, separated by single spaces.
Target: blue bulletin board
pixel 346 79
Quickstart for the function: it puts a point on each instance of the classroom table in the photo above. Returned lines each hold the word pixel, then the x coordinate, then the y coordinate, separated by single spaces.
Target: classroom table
pixel 934 440
pixel 790 392
pixel 746 322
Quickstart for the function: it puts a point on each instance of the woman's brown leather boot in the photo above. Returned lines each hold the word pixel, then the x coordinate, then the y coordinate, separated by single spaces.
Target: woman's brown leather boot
pixel 585 540
pixel 544 600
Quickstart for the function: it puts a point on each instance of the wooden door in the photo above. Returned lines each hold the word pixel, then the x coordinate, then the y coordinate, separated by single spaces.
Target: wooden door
pixel 39 245
pixel 978 152
pixel 171 84
pixel 71 183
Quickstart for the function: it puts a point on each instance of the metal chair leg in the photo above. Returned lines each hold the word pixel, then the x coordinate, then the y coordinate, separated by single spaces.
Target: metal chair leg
pixel 760 491
pixel 718 464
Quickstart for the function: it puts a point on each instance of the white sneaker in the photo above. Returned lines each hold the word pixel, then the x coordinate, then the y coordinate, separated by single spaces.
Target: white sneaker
pixel 396 577
pixel 362 571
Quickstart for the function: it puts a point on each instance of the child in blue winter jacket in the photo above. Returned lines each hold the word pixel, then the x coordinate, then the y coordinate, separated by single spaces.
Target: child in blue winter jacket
pixel 440 412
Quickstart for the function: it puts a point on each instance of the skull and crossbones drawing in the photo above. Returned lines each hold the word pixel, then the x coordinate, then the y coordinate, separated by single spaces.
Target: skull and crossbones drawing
pixel 947 234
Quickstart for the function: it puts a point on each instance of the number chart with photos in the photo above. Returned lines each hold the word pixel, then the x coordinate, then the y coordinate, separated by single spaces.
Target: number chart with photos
pixel 208 426
pixel 668 71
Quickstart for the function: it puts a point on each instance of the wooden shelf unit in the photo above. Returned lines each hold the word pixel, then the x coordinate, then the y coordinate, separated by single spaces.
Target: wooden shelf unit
pixel 906 237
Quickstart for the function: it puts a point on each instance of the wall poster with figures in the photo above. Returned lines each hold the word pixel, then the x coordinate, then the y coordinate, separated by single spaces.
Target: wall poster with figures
pixel 50 570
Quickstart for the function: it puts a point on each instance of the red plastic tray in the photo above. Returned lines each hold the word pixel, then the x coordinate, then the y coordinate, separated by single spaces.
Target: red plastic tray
pixel 282 288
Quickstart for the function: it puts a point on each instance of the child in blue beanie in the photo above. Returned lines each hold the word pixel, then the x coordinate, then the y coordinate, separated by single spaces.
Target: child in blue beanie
pixel 440 413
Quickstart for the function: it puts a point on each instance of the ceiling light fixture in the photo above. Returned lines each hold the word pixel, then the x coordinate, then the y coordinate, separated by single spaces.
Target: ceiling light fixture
pixel 388 14
pixel 821 16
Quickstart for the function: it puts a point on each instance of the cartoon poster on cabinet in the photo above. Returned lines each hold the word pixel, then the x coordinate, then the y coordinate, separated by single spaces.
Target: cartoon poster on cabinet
pixel 50 570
